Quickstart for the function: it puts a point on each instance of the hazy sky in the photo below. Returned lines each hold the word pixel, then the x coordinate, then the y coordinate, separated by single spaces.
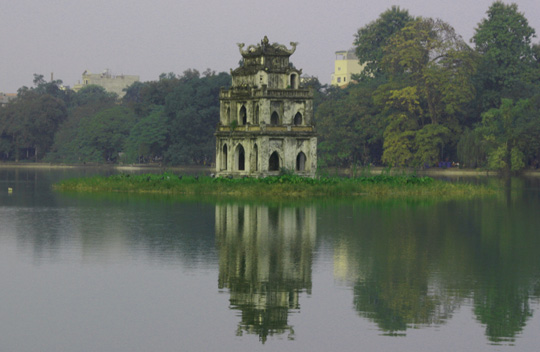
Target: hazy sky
pixel 147 38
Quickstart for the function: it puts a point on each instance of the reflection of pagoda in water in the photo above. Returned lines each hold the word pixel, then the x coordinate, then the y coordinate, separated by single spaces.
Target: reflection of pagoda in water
pixel 265 257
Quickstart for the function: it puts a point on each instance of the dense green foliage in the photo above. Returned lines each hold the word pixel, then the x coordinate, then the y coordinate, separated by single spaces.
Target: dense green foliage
pixel 28 124
pixel 170 120
pixel 192 110
pixel 425 97
pixel 507 66
pixel 286 185
pixel 371 39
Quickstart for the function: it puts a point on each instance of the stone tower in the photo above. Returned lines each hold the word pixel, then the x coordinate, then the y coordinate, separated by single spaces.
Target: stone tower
pixel 266 117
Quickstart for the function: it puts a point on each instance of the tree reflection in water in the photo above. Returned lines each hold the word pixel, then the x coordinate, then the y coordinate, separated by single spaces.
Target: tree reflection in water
pixel 413 265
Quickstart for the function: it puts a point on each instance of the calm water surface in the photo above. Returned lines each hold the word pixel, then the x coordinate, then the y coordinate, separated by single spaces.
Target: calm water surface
pixel 131 273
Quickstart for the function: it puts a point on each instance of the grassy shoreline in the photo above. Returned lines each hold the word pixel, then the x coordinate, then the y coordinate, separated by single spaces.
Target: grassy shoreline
pixel 207 170
pixel 286 186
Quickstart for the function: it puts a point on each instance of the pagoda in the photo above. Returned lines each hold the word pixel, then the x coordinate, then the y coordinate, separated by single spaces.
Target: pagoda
pixel 266 117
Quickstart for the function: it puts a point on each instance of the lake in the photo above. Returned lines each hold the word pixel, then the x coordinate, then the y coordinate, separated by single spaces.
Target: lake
pixel 118 272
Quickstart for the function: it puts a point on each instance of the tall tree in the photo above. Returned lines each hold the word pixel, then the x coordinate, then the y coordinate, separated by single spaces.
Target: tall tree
pixel 507 61
pixel 373 37
pixel 432 57
pixel 431 68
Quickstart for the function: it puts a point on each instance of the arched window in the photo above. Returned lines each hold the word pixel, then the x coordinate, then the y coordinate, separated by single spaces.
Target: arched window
pixel 255 158
pixel 224 158
pixel 294 83
pixel 273 164
pixel 240 159
pixel 274 119
pixel 301 162
pixel 256 122
pixel 298 119
pixel 243 115
pixel 228 117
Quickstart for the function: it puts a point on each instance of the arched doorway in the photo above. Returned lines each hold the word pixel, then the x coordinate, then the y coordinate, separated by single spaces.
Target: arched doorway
pixel 274 119
pixel 273 163
pixel 301 162
pixel 243 115
pixel 240 158
pixel 224 158
pixel 298 119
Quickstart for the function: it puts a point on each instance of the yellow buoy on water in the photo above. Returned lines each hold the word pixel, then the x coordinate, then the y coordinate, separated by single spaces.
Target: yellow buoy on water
pixel 10 190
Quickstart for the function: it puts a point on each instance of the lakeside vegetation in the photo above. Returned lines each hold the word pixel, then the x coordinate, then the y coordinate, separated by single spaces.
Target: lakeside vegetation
pixel 283 186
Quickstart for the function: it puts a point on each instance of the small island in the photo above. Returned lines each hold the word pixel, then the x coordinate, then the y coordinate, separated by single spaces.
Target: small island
pixel 282 186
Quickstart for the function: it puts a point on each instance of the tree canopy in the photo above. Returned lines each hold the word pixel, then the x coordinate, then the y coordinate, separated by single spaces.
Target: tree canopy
pixel 424 97
pixel 436 99
pixel 371 39
pixel 507 61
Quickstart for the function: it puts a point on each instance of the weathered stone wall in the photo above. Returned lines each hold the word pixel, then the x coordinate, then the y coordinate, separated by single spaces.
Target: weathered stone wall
pixel 257 151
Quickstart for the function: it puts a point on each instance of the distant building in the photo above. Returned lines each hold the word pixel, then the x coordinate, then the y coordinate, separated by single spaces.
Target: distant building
pixel 345 66
pixel 6 98
pixel 111 83
pixel 266 117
